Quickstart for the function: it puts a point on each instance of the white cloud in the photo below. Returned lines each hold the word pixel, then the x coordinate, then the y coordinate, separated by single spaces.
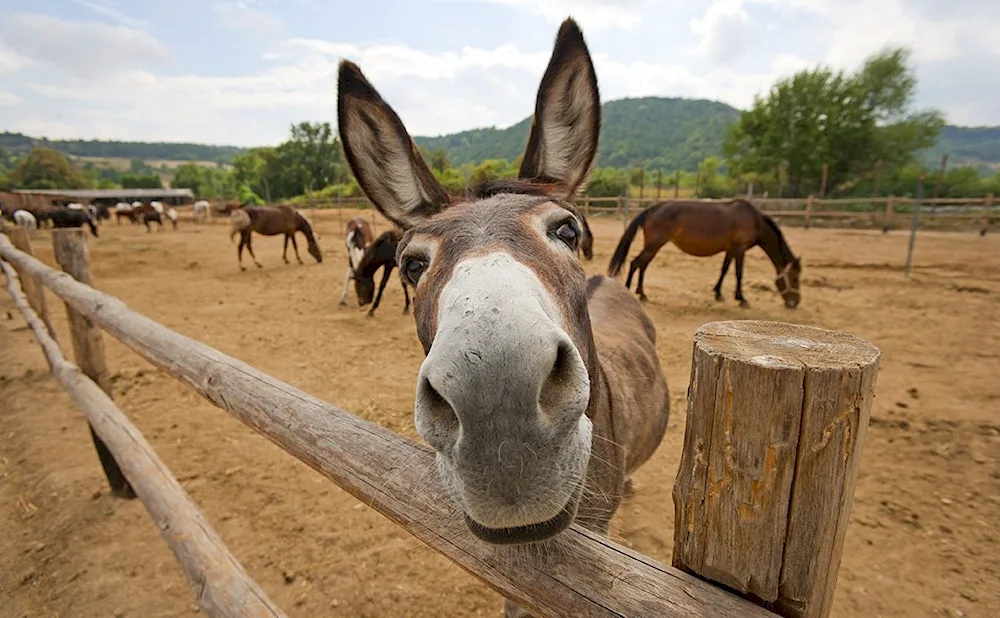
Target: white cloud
pixel 106 8
pixel 725 32
pixel 241 15
pixel 11 61
pixel 9 98
pixel 592 15
pixel 81 49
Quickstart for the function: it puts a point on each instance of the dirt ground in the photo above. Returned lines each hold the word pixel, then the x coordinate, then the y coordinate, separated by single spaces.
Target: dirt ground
pixel 924 538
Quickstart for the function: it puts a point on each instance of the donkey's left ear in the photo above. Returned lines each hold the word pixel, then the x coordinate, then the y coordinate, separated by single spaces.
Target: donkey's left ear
pixel 382 154
pixel 567 120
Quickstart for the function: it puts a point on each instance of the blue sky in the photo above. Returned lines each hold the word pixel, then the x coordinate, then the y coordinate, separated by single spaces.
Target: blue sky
pixel 240 72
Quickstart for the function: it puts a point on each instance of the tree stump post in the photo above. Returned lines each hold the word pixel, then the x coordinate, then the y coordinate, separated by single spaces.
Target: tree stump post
pixel 70 247
pixel 33 290
pixel 777 416
pixel 809 211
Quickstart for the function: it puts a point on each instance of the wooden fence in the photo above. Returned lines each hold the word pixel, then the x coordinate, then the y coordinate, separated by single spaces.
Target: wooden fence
pixel 878 212
pixel 761 501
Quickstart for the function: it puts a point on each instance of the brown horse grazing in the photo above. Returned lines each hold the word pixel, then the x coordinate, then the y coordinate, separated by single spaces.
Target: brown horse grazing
pixel 381 253
pixel 151 216
pixel 271 221
pixel 540 390
pixel 703 229
pixel 359 236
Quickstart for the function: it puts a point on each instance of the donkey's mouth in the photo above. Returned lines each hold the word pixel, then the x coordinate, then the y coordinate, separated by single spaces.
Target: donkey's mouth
pixel 531 533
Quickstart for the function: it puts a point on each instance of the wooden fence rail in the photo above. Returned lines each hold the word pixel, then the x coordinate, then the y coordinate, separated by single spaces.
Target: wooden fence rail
pixel 221 585
pixel 777 415
pixel 578 574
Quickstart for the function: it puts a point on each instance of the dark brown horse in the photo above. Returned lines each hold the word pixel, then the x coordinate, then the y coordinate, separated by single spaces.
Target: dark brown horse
pixel 271 221
pixel 380 254
pixel 359 236
pixel 703 229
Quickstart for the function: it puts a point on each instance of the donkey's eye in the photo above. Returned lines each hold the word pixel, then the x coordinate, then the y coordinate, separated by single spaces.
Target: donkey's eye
pixel 413 268
pixel 567 232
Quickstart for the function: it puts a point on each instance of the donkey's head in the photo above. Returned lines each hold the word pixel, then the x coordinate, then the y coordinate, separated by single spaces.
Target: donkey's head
pixel 500 301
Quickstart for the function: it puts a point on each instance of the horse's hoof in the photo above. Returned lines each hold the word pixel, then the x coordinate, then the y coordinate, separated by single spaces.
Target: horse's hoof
pixel 744 304
pixel 243 268
pixel 406 311
pixel 342 303
pixel 719 297
pixel 258 265
pixel 642 298
pixel 370 314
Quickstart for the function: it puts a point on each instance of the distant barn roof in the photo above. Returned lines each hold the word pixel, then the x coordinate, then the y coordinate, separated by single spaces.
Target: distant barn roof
pixel 98 194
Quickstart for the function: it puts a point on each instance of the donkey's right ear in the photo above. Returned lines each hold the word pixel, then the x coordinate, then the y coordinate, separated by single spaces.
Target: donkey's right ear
pixel 382 155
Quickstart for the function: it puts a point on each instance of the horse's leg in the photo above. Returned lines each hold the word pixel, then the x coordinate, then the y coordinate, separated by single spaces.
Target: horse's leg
pixel 347 283
pixel 284 252
pixel 295 245
pixel 239 252
pixel 249 234
pixel 406 294
pixel 722 275
pixel 739 280
pixel 381 287
pixel 640 263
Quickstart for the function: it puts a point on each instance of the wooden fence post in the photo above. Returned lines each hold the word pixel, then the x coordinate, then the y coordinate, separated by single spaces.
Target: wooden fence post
pixel 777 415
pixel 677 184
pixel 586 206
pixel 888 214
pixel 33 290
pixel 914 224
pixel 987 210
pixel 70 247
pixel 822 187
pixel 809 210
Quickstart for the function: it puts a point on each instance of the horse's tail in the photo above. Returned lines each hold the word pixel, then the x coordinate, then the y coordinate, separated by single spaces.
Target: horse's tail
pixel 239 220
pixel 621 251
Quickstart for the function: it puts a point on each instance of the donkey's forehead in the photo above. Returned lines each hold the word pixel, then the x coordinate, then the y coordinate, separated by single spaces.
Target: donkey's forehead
pixel 500 219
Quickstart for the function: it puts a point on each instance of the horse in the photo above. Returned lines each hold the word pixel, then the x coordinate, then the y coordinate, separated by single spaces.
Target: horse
pixel 27 221
pixel 271 221
pixel 150 216
pixel 359 236
pixel 540 391
pixel 157 206
pixel 381 253
pixel 65 217
pixel 705 229
pixel 172 215
pixel 200 211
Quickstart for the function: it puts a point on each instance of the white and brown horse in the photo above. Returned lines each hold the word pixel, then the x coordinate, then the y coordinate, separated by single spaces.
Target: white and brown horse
pixel 540 391
pixel 359 236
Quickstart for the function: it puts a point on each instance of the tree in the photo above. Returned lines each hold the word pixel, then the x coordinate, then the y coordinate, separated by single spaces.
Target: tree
pixel 141 181
pixel 204 182
pixel 44 168
pixel 848 121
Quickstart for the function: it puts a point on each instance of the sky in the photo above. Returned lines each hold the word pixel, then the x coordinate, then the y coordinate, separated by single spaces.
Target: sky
pixel 241 72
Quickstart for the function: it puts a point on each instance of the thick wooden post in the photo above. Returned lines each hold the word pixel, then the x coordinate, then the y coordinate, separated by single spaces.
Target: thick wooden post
pixel 809 211
pixel 987 210
pixel 586 206
pixel 33 290
pixel 776 422
pixel 914 224
pixel 888 214
pixel 822 186
pixel 677 184
pixel 70 247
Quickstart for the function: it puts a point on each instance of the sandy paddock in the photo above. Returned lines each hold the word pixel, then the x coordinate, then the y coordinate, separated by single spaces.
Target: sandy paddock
pixel 924 538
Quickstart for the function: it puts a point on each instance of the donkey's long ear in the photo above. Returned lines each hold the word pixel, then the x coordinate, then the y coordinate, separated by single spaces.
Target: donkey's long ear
pixel 382 155
pixel 567 120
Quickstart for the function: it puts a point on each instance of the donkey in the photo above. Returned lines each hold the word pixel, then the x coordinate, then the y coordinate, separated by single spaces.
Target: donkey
pixel 540 390
pixel 381 253
pixel 359 236
pixel 271 221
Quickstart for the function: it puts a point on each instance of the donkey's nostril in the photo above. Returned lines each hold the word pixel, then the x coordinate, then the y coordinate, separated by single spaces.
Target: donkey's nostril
pixel 436 417
pixel 561 392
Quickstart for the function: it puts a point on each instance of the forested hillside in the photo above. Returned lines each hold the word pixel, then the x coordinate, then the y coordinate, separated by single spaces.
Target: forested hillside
pixel 19 144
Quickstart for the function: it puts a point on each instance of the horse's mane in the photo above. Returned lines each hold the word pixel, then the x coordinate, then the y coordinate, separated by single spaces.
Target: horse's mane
pixel 786 251
pixel 391 236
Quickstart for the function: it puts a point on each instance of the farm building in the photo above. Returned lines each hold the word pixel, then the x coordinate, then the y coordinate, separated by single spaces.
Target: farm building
pixel 109 197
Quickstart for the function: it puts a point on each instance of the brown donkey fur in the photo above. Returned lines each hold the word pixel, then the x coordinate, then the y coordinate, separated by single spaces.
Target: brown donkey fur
pixel 271 221
pixel 703 229
pixel 541 391
pixel 359 235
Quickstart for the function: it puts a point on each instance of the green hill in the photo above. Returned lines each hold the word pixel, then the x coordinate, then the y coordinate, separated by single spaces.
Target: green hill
pixel 651 131
pixel 979 146
pixel 18 144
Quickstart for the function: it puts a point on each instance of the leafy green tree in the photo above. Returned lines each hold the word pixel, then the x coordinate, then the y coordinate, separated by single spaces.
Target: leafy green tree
pixel 605 182
pixel 848 121
pixel 205 182
pixel 141 181
pixel 139 167
pixel 44 168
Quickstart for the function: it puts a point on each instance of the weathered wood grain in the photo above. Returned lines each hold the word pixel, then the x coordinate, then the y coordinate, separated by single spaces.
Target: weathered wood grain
pixel 32 289
pixel 222 587
pixel 777 415
pixel 70 248
pixel 575 574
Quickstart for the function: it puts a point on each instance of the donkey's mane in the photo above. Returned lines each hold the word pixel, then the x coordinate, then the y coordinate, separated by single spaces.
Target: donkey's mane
pixel 515 186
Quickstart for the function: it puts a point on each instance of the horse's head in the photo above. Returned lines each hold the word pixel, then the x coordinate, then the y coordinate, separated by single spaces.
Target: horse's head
pixel 315 252
pixel 787 283
pixel 500 301
pixel 365 289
